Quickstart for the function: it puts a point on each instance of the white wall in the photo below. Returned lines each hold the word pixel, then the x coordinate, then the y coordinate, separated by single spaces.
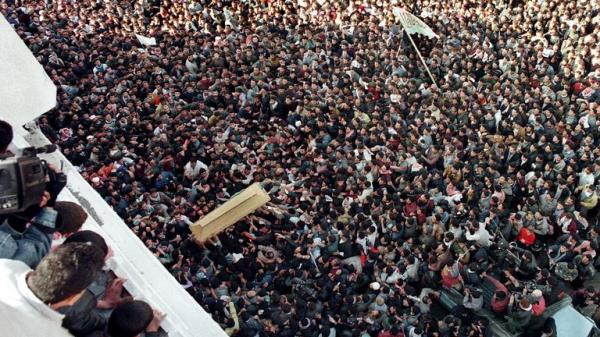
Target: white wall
pixel 26 91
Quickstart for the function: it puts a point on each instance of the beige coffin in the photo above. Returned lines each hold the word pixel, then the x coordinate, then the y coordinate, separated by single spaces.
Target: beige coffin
pixel 230 212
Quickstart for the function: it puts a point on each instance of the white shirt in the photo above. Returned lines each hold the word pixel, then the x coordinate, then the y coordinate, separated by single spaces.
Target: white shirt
pixel 482 236
pixel 22 314
pixel 586 179
pixel 191 67
pixel 193 171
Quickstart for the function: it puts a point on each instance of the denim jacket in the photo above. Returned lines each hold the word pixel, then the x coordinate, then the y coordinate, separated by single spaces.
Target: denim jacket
pixel 32 245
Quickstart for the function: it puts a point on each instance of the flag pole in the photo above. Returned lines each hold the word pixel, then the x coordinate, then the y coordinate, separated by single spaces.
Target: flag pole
pixel 419 54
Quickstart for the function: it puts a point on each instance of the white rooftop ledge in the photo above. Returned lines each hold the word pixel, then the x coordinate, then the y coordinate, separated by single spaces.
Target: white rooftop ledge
pixel 26 91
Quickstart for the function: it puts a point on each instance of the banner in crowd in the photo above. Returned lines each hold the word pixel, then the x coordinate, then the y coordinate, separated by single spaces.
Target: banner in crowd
pixel 412 24
pixel 146 41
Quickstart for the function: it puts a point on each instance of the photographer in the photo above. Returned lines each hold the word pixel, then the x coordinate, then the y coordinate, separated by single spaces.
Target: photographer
pixel 27 236
pixel 473 299
pixel 526 266
pixel 6 137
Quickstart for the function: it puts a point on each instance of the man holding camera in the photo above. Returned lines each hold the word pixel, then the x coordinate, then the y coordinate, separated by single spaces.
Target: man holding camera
pixel 473 298
pixel 27 235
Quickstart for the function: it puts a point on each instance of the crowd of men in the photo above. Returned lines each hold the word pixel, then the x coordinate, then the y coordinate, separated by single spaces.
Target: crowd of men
pixel 387 189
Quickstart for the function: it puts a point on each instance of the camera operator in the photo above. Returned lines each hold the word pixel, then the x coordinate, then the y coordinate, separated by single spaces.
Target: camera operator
pixel 473 299
pixel 526 266
pixel 6 137
pixel 27 236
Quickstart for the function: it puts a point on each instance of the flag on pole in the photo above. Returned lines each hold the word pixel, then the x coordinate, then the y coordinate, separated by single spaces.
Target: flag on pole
pixel 413 24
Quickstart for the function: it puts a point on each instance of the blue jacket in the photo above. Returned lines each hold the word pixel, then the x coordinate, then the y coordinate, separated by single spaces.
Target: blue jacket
pixel 32 245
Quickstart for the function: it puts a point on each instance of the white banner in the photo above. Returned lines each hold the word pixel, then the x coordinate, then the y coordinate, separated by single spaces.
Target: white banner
pixel 146 41
pixel 412 24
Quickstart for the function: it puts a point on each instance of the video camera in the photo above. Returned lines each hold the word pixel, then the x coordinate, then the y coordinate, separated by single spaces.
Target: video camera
pixel 23 179
pixel 512 255
pixel 505 253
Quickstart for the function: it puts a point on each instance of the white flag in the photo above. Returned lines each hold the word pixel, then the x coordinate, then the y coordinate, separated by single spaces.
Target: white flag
pixel 146 41
pixel 413 24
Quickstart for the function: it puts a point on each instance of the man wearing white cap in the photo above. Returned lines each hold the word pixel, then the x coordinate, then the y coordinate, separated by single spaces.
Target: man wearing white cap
pixel 538 305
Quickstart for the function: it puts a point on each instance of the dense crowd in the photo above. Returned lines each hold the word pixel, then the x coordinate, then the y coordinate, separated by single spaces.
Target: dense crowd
pixel 387 189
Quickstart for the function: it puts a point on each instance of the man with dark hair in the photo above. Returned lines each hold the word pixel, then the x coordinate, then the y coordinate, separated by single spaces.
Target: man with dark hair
pixel 73 216
pixel 82 317
pixel 132 318
pixel 29 299
pixel 549 329
pixel 519 314
pixel 501 296
pixel 89 237
pixel 6 136
pixel 129 319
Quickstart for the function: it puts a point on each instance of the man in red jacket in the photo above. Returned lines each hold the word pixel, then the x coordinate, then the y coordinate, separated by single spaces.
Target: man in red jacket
pixel 501 295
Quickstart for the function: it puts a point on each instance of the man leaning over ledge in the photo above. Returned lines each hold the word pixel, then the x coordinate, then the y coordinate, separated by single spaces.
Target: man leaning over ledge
pixel 29 298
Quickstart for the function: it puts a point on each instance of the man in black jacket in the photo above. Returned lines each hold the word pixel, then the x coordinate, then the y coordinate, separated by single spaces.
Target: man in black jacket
pixel 131 319
pixel 6 136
